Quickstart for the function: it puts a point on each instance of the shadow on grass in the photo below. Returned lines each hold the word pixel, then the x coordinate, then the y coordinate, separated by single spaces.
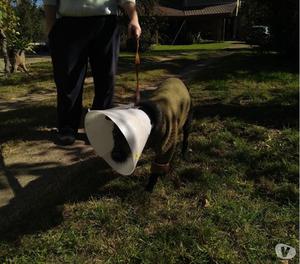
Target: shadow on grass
pixel 172 65
pixel 38 72
pixel 268 115
pixel 22 124
pixel 37 206
pixel 249 65
pixel 279 110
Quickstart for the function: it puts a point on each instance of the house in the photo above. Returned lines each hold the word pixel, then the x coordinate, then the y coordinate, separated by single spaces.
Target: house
pixel 204 19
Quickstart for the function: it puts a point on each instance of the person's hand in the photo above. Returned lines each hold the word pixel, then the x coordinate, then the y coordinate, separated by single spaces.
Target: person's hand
pixel 134 29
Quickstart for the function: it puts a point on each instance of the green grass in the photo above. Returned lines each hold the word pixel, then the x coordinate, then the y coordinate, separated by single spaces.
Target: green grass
pixel 20 84
pixel 204 46
pixel 244 162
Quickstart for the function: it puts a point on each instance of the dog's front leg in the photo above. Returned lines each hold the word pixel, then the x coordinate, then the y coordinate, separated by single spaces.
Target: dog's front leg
pixel 160 167
pixel 151 182
pixel 157 170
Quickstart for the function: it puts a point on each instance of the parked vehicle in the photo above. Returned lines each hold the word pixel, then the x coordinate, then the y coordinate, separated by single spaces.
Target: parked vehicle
pixel 259 35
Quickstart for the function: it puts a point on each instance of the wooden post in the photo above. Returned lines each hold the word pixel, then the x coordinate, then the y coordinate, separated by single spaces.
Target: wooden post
pixel 156 37
pixel 224 29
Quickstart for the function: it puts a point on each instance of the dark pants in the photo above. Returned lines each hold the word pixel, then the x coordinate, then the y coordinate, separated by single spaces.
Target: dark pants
pixel 73 42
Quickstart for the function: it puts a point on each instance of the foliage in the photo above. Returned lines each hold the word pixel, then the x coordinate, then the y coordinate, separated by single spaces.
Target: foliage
pixel 284 22
pixel 259 35
pixel 21 22
pixel 32 21
pixel 8 18
pixel 8 31
pixel 149 25
pixel 20 43
pixel 280 16
pixel 146 6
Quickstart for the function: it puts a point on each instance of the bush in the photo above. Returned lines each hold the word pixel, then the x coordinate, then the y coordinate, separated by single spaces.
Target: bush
pixel 284 23
pixel 282 17
pixel 149 27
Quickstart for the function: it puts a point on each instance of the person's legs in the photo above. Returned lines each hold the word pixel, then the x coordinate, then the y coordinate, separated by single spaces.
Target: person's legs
pixel 68 44
pixel 103 55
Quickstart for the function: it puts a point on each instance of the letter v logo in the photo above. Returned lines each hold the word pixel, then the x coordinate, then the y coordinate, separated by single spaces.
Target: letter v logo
pixel 285 251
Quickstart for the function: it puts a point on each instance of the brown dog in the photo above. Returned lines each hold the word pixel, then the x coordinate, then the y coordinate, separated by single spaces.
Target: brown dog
pixel 169 109
pixel 17 60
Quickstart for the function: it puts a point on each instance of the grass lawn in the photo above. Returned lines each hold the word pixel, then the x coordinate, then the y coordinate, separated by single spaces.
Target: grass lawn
pixel 232 202
pixel 205 46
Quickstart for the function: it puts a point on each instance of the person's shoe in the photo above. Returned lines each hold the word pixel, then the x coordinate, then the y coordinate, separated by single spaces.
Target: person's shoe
pixel 66 136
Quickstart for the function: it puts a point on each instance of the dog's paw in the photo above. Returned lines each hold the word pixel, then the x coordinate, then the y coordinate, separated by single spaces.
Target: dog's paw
pixel 151 182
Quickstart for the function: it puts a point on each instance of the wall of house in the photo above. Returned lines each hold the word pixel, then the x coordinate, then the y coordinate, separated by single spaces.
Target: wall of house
pixel 216 28
pixel 211 27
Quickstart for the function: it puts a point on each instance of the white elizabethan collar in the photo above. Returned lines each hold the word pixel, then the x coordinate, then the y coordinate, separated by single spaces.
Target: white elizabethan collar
pixel 134 124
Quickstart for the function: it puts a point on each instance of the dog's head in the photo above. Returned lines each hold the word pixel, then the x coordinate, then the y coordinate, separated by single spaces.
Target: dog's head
pixel 121 150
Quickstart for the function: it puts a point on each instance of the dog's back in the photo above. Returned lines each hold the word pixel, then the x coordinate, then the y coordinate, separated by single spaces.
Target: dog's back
pixel 169 108
pixel 170 105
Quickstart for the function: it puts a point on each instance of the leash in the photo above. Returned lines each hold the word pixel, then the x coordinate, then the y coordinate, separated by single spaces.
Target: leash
pixel 137 69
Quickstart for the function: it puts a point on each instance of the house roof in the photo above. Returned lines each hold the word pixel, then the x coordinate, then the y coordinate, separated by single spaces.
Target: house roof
pixel 168 11
pixel 190 4
pixel 228 8
pixel 212 10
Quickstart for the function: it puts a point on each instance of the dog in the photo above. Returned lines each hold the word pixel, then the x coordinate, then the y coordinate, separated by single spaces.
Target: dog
pixel 169 108
pixel 17 60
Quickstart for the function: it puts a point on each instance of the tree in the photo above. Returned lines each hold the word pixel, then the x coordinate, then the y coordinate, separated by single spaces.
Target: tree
pixel 284 24
pixel 8 25
pixel 32 17
pixel 149 25
pixel 282 17
pixel 12 42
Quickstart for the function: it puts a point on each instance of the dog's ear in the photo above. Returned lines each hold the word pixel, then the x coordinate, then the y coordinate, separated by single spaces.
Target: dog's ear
pixel 153 111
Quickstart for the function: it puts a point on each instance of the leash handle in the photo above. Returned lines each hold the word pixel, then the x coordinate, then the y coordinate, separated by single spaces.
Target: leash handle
pixel 137 69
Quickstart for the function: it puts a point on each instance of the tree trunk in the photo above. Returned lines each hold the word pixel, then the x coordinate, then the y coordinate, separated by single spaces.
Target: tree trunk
pixel 3 42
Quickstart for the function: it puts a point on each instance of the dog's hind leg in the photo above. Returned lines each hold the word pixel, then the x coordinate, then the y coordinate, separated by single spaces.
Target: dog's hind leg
pixel 157 170
pixel 186 132
pixel 25 69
